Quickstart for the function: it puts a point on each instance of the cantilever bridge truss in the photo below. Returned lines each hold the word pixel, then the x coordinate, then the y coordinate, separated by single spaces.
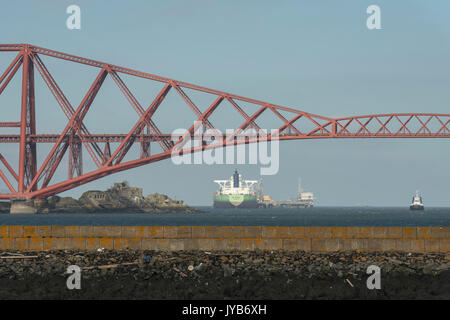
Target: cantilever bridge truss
pixel 28 178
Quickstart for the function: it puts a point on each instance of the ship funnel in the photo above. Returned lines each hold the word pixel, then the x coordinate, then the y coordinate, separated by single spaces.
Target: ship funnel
pixel 236 179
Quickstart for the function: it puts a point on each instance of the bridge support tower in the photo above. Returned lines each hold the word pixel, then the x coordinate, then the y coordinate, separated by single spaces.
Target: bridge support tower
pixel 22 206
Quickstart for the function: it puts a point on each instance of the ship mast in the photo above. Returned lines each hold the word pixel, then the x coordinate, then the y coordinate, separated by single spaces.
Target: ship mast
pixel 299 186
pixel 260 196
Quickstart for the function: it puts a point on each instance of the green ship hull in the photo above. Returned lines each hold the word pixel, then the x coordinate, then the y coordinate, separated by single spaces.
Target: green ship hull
pixel 235 201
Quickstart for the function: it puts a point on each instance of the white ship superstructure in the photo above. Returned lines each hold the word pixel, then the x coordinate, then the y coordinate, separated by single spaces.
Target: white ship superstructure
pixel 304 197
pixel 236 185
pixel 235 192
pixel 417 203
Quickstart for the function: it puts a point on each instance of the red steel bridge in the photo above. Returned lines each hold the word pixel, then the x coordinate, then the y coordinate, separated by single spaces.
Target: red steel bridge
pixel 28 178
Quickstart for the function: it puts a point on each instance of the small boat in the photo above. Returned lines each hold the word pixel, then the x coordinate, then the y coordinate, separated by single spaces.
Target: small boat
pixel 417 203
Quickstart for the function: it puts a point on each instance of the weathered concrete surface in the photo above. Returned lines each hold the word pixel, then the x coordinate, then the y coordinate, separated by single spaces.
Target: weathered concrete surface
pixel 22 207
pixel 176 238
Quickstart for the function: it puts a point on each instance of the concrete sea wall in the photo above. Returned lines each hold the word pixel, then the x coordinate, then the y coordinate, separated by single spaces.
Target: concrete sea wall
pixel 174 238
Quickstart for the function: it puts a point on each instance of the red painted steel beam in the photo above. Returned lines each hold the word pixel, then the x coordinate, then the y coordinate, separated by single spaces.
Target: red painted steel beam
pixel 101 138
pixel 27 152
pixel 203 118
pixel 8 166
pixel 138 108
pixel 98 64
pixel 247 122
pixel 383 127
pixel 54 163
pixel 57 152
pixel 121 151
pixel 53 138
pixel 243 113
pixel 69 184
pixel 76 133
pixel 9 124
pixel 8 184
pixel 10 72
pixel 191 104
pixel 67 107
pixel 287 123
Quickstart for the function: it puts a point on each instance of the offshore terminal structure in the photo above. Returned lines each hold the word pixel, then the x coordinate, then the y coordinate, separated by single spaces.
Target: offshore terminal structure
pixel 304 199
pixel 239 193
pixel 33 172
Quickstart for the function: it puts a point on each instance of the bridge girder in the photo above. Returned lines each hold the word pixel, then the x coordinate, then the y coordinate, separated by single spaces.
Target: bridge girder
pixel 33 180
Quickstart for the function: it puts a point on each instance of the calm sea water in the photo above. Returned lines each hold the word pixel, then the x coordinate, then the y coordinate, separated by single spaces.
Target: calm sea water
pixel 319 216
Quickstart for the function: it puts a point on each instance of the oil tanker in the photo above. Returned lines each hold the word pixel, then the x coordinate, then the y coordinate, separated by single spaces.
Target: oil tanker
pixel 235 193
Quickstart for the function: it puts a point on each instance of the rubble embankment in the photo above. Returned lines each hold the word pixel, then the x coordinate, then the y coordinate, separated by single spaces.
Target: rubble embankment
pixel 129 274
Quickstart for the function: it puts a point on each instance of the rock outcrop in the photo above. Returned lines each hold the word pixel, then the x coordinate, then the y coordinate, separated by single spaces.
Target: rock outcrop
pixel 119 198
pixel 4 207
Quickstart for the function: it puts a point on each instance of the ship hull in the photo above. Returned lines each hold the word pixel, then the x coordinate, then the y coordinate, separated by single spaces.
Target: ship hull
pixel 235 201
pixel 413 207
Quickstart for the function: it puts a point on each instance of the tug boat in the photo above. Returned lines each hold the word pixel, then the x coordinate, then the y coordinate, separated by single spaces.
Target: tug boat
pixel 417 203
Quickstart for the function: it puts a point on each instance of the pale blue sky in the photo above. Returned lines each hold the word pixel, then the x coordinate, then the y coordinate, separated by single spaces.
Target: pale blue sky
pixel 316 56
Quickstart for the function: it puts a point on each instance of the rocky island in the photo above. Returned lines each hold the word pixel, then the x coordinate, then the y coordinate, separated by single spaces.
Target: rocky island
pixel 119 198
